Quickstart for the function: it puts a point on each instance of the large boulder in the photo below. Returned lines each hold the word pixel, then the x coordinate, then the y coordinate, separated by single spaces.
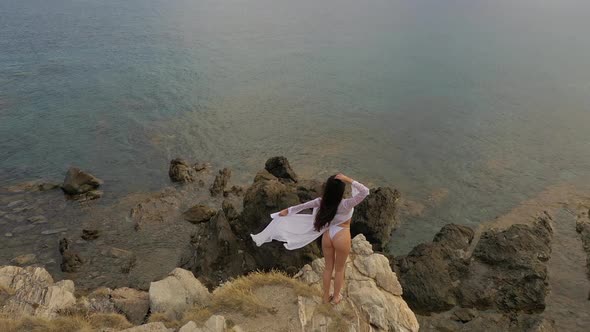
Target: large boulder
pixel 176 293
pixel 265 196
pixel 280 168
pixel 78 182
pixel 33 292
pixel 215 253
pixel 430 273
pixel 375 216
pixel 506 273
pixel 372 292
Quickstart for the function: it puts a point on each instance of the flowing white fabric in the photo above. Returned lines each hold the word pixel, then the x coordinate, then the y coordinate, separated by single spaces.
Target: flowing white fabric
pixel 297 229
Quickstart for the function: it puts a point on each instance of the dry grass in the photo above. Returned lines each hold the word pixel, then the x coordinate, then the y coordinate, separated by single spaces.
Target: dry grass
pixel 237 295
pixel 168 318
pixel 197 315
pixel 340 319
pixel 110 320
pixel 36 324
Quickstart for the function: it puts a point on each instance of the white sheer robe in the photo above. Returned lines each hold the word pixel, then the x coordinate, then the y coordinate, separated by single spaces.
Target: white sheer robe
pixel 297 230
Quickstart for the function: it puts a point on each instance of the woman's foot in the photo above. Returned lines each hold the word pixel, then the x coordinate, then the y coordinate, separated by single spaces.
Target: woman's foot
pixel 336 299
pixel 328 299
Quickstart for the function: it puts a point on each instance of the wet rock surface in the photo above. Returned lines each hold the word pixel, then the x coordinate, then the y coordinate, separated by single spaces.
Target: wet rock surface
pixel 220 182
pixel 281 169
pixel 71 260
pixel 81 185
pixel 180 171
pixel 198 214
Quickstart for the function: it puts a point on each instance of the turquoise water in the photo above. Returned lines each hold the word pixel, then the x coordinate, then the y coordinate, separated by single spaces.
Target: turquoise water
pixel 487 102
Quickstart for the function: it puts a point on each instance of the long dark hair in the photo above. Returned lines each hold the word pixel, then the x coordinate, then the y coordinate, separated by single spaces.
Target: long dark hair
pixel 333 192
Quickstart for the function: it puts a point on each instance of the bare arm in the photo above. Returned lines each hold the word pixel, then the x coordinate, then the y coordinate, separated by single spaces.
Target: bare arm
pixel 298 208
pixel 361 192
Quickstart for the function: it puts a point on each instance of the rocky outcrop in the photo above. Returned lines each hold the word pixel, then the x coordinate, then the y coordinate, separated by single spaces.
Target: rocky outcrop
pixel 215 323
pixel 220 182
pixel 215 253
pixel 81 185
pixel 371 290
pixel 375 216
pixel 180 171
pixel 583 228
pixel 33 292
pixel 281 169
pixel 70 259
pixel 179 291
pixel 198 214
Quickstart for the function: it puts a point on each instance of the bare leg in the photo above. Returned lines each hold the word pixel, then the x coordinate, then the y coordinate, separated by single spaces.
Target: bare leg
pixel 341 243
pixel 328 251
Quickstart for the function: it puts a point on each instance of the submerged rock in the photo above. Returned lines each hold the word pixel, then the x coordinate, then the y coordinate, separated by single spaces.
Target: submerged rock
pixel 22 260
pixel 90 234
pixel 78 182
pixel 180 171
pixel 71 260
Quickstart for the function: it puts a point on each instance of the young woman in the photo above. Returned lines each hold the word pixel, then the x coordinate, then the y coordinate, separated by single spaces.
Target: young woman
pixel 331 218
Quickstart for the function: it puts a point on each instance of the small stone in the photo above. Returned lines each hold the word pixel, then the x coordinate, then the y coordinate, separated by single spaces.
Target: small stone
pixel 199 213
pixel 14 203
pixel 54 231
pixel 24 259
pixel 37 219
pixel 90 234
pixel 8 234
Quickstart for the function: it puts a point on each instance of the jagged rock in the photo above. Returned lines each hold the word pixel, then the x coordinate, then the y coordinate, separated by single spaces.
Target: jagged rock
pixel 280 168
pixel 78 182
pixel 98 301
pixel 214 252
pixel 215 323
pixel 430 273
pixel 198 214
pixel 583 227
pixel 70 260
pixel 134 304
pixel 150 327
pixel 373 290
pixel 34 291
pixel 230 210
pixel 375 216
pixel 267 195
pixel 180 171
pixel 220 182
pixel 236 190
pixel 24 259
pixel 177 293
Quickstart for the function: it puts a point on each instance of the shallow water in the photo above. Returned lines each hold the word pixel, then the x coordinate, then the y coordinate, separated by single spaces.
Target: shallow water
pixel 485 102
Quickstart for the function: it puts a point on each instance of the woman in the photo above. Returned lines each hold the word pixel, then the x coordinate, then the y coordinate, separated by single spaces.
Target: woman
pixel 330 218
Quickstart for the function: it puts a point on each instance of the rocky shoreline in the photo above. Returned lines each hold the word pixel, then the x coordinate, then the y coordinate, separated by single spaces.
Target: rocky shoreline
pixel 464 280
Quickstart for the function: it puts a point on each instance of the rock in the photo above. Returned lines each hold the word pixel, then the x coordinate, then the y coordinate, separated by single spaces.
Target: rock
pixel 199 213
pixel 21 260
pixel 177 293
pixel 235 190
pixel 430 273
pixel 34 291
pixel 267 195
pixel 37 219
pixel 132 303
pixel 88 196
pixel 90 234
pixel 161 207
pixel 125 259
pixel 8 234
pixel 220 182
pixel 375 216
pixel 372 292
pixel 150 327
pixel 180 171
pixel 464 315
pixel 79 182
pixel 229 210
pixel 54 231
pixel 71 260
pixel 32 186
pixel 215 323
pixel 214 252
pixel 280 168
pixel 98 301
